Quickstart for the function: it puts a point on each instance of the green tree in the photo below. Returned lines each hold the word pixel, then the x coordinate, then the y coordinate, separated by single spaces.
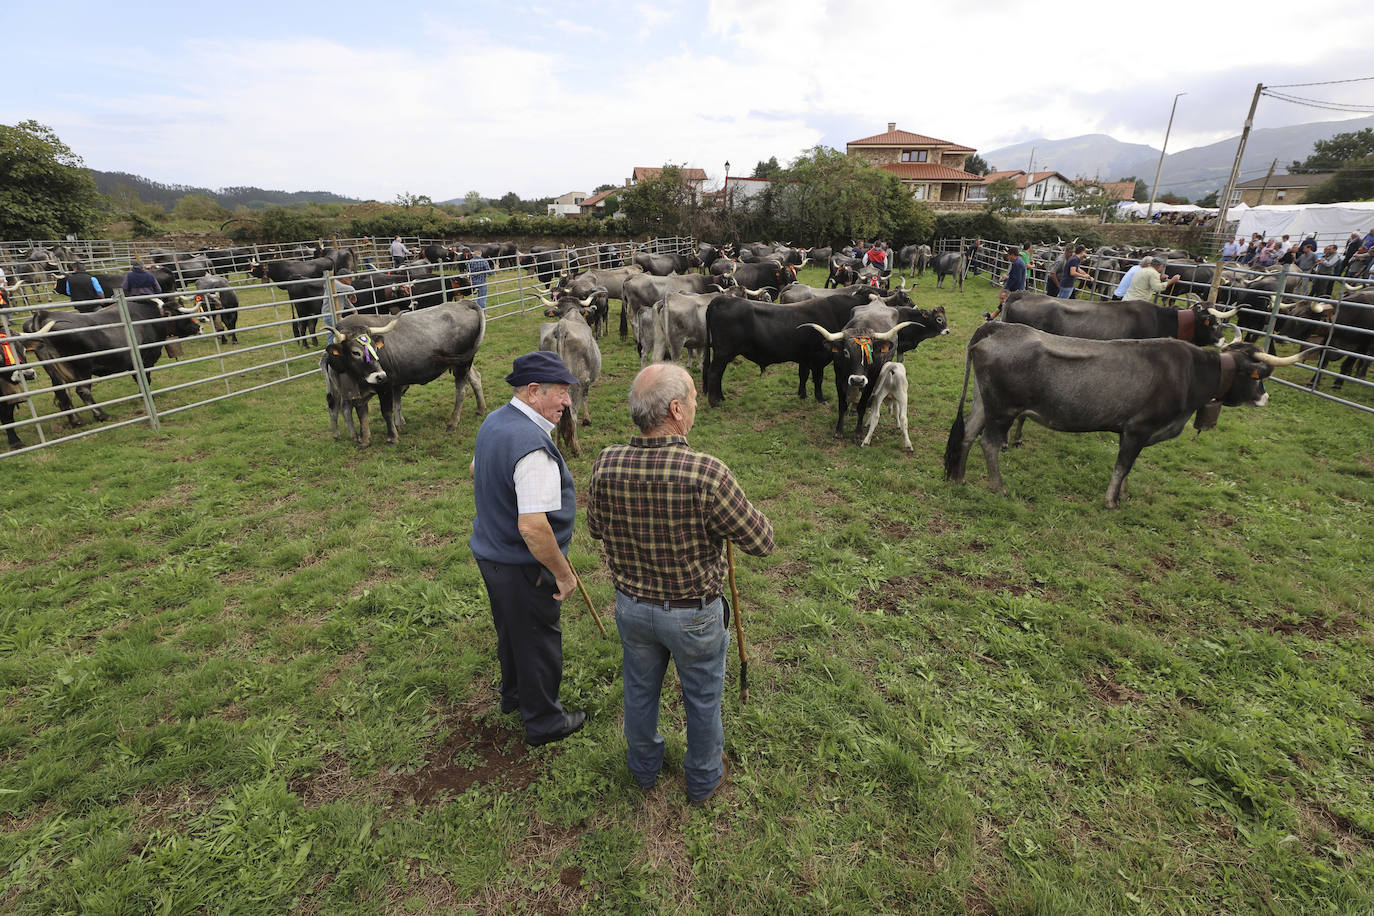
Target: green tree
pixel 1091 198
pixel 1003 196
pixel 45 190
pixel 769 169
pixel 976 165
pixel 1354 180
pixel 827 197
pixel 472 202
pixel 662 205
pixel 605 187
pixel 409 200
pixel 1210 200
pixel 511 202
pixel 1334 152
pixel 199 207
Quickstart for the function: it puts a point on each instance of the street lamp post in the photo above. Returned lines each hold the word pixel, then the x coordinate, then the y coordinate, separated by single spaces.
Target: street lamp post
pixel 1154 188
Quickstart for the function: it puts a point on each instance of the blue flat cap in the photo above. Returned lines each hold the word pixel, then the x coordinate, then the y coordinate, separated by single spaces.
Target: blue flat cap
pixel 542 366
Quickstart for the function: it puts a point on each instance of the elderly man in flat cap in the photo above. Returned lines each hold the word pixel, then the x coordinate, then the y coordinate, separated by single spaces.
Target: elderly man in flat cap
pixel 520 536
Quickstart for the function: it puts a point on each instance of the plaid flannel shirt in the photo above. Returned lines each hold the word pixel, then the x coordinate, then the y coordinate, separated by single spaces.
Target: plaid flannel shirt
pixel 662 511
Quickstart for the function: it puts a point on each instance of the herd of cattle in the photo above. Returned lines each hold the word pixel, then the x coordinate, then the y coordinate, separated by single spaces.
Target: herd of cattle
pixel 1134 368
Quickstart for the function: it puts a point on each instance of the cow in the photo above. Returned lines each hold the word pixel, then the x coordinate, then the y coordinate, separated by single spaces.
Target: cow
pixel 302 281
pixel 891 388
pixel 705 256
pixel 13 374
pixel 800 292
pixel 844 270
pixel 547 263
pixel 661 265
pixel 868 340
pixel 769 273
pixel 221 303
pixel 947 264
pixel 379 293
pixel 1131 318
pixel 387 356
pixel 914 257
pixel 37 266
pixel 434 253
pixel 641 291
pixel 608 257
pixel 571 338
pixel 1353 333
pixel 874 277
pixel 1143 390
pixel 95 344
pixel 765 334
pixel 819 255
pixel 680 323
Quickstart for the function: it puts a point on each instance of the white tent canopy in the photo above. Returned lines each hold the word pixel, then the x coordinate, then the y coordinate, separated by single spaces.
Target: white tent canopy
pixel 1329 222
pixel 1138 210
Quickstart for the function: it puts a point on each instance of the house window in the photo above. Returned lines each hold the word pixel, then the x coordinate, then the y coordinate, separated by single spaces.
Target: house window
pixel 915 155
pixel 1279 195
pixel 918 191
pixel 1235 197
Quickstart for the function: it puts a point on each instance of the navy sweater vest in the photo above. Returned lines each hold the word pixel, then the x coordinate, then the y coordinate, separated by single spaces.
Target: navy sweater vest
pixel 506 436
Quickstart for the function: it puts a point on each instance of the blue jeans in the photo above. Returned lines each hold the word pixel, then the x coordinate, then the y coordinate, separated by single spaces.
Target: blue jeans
pixel 1065 292
pixel 481 293
pixel 697 641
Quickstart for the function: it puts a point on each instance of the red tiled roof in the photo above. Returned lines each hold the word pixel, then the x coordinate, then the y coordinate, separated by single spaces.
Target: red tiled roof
pixel 643 172
pixel 907 138
pixel 1022 179
pixel 927 171
pixel 597 198
pixel 1118 190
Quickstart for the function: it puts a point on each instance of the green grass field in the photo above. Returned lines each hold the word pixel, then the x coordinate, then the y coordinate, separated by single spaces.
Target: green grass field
pixel 248 669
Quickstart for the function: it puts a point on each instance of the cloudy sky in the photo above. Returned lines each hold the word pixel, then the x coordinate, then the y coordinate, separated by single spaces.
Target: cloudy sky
pixel 375 99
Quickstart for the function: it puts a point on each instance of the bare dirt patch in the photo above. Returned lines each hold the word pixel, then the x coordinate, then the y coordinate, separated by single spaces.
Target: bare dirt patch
pixel 1312 627
pixel 1348 838
pixel 475 753
pixel 344 662
pixel 888 599
pixel 1112 693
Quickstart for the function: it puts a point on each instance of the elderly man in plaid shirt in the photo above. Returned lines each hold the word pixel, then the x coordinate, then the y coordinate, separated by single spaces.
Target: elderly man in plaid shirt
pixel 663 512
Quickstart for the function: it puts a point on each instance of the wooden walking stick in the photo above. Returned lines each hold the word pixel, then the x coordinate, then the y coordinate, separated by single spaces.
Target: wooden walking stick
pixel 586 597
pixel 739 626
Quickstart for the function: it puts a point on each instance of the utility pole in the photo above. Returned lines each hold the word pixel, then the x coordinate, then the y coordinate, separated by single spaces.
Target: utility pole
pixel 1030 173
pixel 1154 188
pixel 1264 187
pixel 1231 185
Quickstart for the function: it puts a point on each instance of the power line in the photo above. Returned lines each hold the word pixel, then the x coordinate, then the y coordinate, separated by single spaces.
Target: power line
pixel 1358 79
pixel 1318 103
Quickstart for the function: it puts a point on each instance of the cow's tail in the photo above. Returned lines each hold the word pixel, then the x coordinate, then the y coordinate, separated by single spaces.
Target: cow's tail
pixel 706 350
pixel 954 446
pixel 658 347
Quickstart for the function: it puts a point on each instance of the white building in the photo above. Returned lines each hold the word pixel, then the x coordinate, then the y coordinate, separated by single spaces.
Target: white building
pixel 567 204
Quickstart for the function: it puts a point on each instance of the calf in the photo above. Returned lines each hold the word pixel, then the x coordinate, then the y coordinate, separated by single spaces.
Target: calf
pixel 950 264
pixel 221 303
pixel 891 387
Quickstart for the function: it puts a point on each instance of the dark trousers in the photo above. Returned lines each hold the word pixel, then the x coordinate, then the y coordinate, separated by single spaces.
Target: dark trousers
pixel 529 642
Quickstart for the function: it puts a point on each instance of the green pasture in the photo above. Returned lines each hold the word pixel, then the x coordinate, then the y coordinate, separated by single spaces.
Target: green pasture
pixel 245 668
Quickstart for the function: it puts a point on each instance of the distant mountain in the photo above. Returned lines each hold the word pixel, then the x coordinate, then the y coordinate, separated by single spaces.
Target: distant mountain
pixel 1192 173
pixel 1089 156
pixel 1197 171
pixel 168 194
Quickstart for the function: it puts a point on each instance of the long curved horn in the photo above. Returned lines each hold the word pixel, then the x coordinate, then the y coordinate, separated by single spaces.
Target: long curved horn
pixel 755 292
pixel 385 329
pixel 1234 340
pixel 1321 308
pixel 47 327
pixel 828 335
pixel 1223 316
pixel 892 334
pixel 588 301
pixel 1282 360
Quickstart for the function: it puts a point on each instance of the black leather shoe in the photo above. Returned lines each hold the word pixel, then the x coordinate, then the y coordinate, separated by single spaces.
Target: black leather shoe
pixel 574 722
pixel 508 708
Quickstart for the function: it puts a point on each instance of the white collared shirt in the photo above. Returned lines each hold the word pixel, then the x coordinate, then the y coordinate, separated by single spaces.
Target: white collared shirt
pixel 538 486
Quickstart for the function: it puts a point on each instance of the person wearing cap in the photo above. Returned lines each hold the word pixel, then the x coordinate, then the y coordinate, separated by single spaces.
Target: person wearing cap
pixel 1016 278
pixel 525 504
pixel 663 511
pixel 399 252
pixel 139 282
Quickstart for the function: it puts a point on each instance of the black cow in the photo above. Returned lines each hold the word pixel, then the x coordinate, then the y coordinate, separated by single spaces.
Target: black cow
pixel 548 264
pixel 950 263
pixel 765 333
pixel 867 342
pixel 1143 390
pixel 434 253
pixel 79 341
pixel 1354 333
pixel 413 348
pixel 303 283
pixel 221 303
pixel 844 270
pixel 769 274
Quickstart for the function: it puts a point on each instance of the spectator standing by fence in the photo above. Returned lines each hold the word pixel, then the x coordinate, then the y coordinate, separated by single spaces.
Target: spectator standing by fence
pixel 399 252
pixel 139 282
pixel 479 268
pixel 1073 272
pixel 1148 283
pixel 1120 292
pixel 1016 278
pixel 1328 266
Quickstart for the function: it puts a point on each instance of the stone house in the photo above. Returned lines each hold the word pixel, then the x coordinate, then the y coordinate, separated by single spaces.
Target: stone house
pixel 1276 189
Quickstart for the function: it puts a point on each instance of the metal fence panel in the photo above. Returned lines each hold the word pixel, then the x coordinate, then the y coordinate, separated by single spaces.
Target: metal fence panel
pixel 272 353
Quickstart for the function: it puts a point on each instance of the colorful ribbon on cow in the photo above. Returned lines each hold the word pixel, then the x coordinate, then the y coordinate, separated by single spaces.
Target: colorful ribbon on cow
pixel 8 355
pixel 865 348
pixel 369 354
